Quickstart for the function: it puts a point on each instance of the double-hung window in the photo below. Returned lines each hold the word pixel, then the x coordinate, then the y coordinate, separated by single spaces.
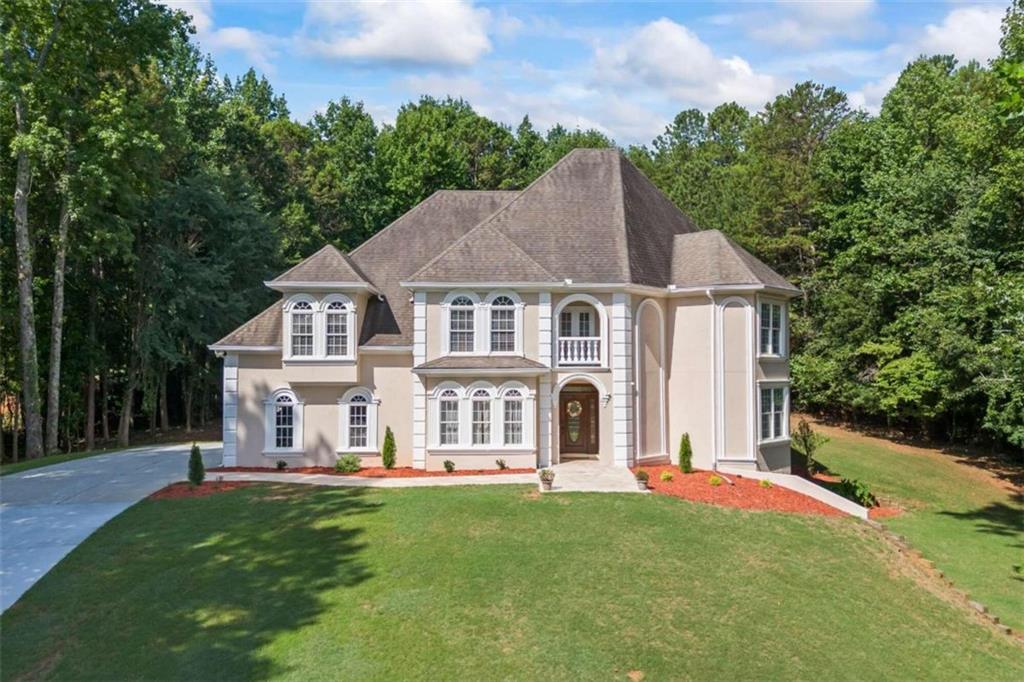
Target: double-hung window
pixel 462 314
pixel 357 422
pixel 302 329
pixel 284 423
pixel 771 328
pixel 481 400
pixel 448 418
pixel 503 325
pixel 773 413
pixel 513 417
pixel 336 329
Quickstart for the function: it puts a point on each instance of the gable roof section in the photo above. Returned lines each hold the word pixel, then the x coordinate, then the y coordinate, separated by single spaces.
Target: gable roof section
pixel 710 258
pixel 326 265
pixel 483 255
pixel 264 330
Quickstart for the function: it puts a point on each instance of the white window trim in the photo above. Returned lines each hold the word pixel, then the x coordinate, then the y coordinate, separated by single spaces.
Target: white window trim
pixel 518 304
pixel 350 326
pixel 446 323
pixel 783 327
pixel 602 322
pixel 465 402
pixel 768 385
pixel 372 407
pixel 270 427
pixel 319 329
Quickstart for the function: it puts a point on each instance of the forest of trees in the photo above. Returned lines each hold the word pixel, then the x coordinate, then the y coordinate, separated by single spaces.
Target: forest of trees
pixel 145 199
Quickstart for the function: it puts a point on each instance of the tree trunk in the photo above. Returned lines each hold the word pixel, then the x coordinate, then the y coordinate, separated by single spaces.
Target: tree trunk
pixel 165 422
pixel 17 418
pixel 105 405
pixel 26 307
pixel 125 425
pixel 57 328
pixel 188 390
pixel 90 383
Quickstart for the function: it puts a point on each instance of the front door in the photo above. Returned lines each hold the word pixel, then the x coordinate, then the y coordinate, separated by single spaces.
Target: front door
pixel 577 425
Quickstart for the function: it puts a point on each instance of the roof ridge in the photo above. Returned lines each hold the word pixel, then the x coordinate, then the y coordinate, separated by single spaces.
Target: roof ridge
pixel 463 238
pixel 622 208
pixel 326 246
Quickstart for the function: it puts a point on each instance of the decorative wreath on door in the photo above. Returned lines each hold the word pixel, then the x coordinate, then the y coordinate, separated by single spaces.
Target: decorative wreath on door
pixel 574 408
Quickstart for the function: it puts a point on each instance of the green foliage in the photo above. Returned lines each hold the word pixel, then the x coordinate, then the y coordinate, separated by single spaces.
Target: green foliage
pixel 196 470
pixel 642 476
pixel 666 476
pixel 501 464
pixel 856 491
pixel 281 465
pixel 449 466
pixel 807 441
pixel 547 475
pixel 388 452
pixel 685 454
pixel 765 483
pixel 715 480
pixel 348 464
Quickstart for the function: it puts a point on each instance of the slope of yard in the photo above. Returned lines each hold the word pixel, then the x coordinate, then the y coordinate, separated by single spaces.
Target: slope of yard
pixel 480 583
pixel 967 518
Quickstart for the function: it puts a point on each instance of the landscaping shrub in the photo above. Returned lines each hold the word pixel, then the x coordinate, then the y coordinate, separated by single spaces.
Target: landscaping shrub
pixel 853 489
pixel 387 454
pixel 807 441
pixel 348 464
pixel 666 476
pixel 685 454
pixel 501 464
pixel 715 481
pixel 449 466
pixel 281 465
pixel 765 483
pixel 196 470
pixel 547 475
pixel 642 475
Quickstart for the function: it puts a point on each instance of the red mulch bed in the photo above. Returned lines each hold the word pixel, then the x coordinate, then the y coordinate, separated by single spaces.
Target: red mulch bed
pixel 178 491
pixel 378 472
pixel 745 493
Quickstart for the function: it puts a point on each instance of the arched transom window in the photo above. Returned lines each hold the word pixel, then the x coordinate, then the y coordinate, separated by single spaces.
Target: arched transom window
pixel 461 325
pixel 503 325
pixel 283 423
pixel 480 416
pixel 357 428
pixel 319 330
pixel 512 404
pixel 302 329
pixel 336 329
pixel 448 417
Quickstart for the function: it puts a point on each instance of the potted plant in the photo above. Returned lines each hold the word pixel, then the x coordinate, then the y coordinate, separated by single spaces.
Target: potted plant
pixel 641 479
pixel 547 477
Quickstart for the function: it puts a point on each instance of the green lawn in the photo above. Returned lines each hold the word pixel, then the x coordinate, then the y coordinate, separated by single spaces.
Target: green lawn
pixel 960 516
pixel 482 583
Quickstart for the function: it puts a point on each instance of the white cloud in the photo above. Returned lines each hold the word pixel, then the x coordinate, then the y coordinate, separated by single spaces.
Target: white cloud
pixel 438 33
pixel 870 95
pixel 966 32
pixel 258 47
pixel 808 24
pixel 672 58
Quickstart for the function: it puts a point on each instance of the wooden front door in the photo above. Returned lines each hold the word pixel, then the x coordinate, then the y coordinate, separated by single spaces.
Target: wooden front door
pixel 577 420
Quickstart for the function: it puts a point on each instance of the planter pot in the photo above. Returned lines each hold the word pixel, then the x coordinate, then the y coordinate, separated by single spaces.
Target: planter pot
pixel 642 485
pixel 545 485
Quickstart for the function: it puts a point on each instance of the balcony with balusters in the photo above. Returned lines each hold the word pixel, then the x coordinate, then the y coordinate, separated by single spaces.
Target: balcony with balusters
pixel 579 337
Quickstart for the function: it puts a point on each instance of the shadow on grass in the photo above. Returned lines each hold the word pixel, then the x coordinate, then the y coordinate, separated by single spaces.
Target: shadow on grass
pixel 1002 519
pixel 198 605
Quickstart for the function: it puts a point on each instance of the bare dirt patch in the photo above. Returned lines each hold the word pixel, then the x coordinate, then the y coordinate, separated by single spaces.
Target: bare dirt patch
pixel 375 472
pixel 178 491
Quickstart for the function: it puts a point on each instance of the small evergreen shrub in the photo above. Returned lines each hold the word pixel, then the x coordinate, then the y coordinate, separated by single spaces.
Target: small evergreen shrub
pixel 715 481
pixel 853 489
pixel 449 466
pixel 685 454
pixel 387 454
pixel 501 464
pixel 281 465
pixel 196 470
pixel 348 464
pixel 666 476
pixel 807 441
pixel 765 483
pixel 642 475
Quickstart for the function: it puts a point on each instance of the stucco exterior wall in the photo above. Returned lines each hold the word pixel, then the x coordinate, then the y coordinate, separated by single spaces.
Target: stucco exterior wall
pixel 736 383
pixel 688 377
pixel 436 328
pixel 387 376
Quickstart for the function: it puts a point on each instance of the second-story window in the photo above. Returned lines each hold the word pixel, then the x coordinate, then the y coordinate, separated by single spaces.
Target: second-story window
pixel 302 329
pixel 503 325
pixel 771 329
pixel 336 329
pixel 461 325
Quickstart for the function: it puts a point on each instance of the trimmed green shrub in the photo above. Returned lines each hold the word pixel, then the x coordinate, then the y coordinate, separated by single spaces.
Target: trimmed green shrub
pixel 807 441
pixel 501 464
pixel 765 483
pixel 348 464
pixel 642 475
pixel 387 454
pixel 196 470
pixel 666 476
pixel 854 490
pixel 281 465
pixel 685 454
pixel 715 480
pixel 449 466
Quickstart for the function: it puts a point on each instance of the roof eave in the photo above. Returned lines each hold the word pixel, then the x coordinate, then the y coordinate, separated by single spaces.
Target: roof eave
pixel 674 290
pixel 221 348
pixel 482 371
pixel 288 287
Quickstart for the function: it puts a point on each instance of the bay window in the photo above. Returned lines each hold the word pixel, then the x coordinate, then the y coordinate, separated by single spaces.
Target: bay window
pixel 771 334
pixel 774 412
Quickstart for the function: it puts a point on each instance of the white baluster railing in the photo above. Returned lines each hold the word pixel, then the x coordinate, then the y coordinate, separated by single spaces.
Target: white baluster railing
pixel 579 350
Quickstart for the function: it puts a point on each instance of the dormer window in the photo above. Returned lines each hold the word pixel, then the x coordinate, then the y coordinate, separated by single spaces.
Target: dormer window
pixel 462 314
pixel 336 329
pixel 318 330
pixel 302 329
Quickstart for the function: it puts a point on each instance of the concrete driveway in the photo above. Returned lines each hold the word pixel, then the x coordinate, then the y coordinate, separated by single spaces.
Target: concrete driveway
pixel 46 512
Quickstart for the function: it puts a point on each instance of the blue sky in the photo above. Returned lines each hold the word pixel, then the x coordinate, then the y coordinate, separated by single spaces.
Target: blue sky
pixel 626 69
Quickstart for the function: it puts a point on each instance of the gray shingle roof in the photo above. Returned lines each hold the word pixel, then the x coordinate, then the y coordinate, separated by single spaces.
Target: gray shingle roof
pixel 593 218
pixel 709 258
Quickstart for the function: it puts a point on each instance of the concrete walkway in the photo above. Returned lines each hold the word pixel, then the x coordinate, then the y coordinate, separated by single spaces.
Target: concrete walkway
pixel 593 477
pixel 47 512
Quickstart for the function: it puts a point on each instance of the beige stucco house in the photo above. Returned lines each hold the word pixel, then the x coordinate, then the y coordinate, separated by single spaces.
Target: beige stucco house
pixel 584 316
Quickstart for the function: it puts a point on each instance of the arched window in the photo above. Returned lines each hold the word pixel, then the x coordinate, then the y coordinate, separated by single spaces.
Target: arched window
pixel 283 423
pixel 461 324
pixel 503 325
pixel 481 416
pixel 512 404
pixel 302 329
pixel 357 429
pixel 336 329
pixel 448 417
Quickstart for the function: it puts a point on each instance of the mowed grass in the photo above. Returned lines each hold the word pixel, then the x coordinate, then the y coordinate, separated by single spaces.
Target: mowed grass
pixel 298 582
pixel 963 517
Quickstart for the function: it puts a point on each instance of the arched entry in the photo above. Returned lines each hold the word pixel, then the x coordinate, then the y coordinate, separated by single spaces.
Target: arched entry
pixel 650 379
pixel 578 421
